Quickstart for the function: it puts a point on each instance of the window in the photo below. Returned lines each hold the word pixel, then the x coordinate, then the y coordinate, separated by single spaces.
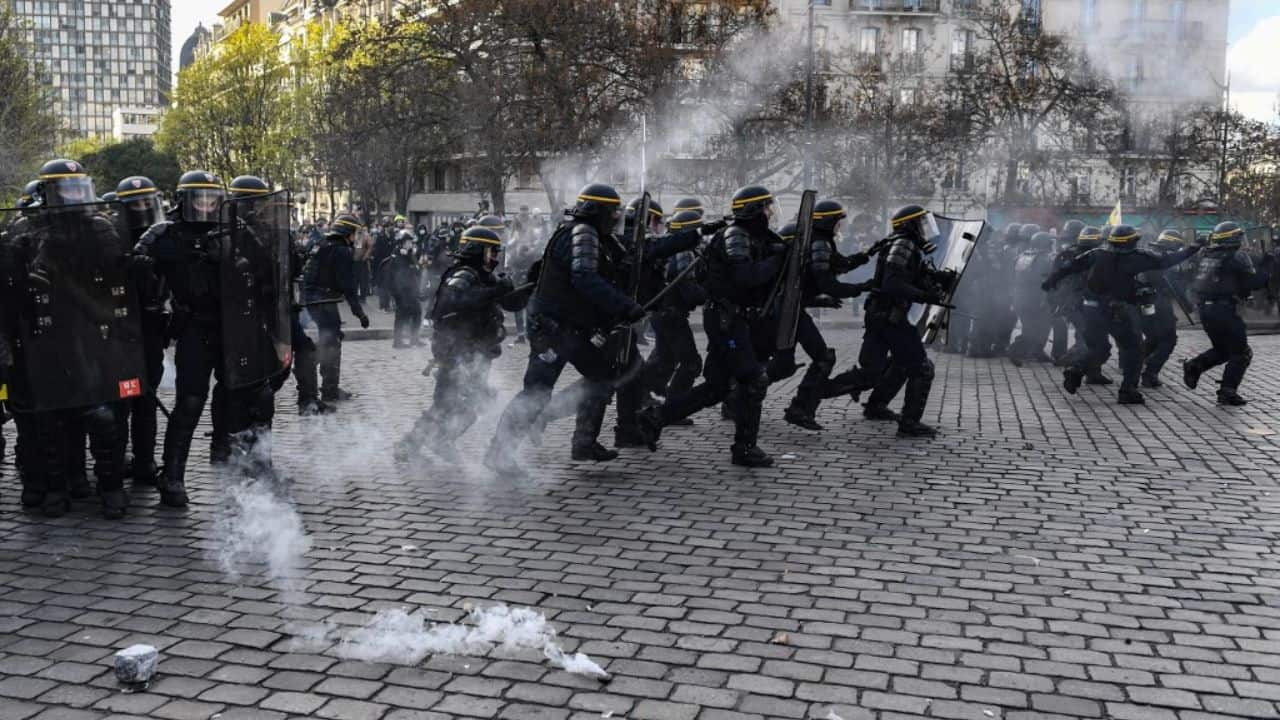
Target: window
pixel 1080 184
pixel 911 41
pixel 1089 14
pixel 962 42
pixel 1129 184
pixel 869 41
pixel 907 96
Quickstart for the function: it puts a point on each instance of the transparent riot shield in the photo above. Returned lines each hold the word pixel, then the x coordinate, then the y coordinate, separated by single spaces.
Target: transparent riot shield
pixel 254 267
pixel 957 240
pixel 70 309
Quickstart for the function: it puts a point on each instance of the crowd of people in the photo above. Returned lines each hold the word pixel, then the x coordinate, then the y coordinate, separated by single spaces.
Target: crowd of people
pixel 94 291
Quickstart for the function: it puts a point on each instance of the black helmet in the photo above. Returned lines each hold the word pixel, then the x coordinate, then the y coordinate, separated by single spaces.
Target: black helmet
pixel 788 232
pixel 1026 232
pixel 655 212
pixel 30 194
pixel 685 219
pixel 1105 231
pixel 140 199
pixel 1011 231
pixel 1124 238
pixel 248 186
pixel 600 205
pixel 200 195
pixel 751 202
pixel 1070 231
pixel 827 214
pixel 1089 237
pixel 480 245
pixel 689 204
pixel 108 197
pixel 345 225
pixel 1041 241
pixel 916 223
pixel 1227 234
pixel 1170 239
pixel 494 223
pixel 65 182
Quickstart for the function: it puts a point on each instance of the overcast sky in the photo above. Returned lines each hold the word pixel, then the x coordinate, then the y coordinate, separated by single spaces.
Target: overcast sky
pixel 1254 34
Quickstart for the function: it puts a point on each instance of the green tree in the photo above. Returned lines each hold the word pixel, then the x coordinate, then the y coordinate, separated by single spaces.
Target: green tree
pixel 28 126
pixel 112 163
pixel 233 111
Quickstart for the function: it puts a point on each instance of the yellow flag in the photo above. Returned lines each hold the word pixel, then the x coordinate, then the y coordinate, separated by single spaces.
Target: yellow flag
pixel 1116 217
pixel 4 393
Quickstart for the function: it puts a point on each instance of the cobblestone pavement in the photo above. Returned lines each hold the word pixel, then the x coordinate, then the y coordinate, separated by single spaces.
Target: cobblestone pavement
pixel 1047 557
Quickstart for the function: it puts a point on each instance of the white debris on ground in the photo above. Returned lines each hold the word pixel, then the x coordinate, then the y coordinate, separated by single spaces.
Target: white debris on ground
pixel 136 664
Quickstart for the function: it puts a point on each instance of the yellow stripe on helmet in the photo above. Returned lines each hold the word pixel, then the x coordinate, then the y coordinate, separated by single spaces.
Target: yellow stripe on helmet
pixel 1122 238
pixel 1171 238
pixel 139 191
pixel 827 213
pixel 739 203
pixel 59 176
pixel 597 198
pixel 483 240
pixel 250 191
pixel 912 216
pixel 348 223
pixel 682 224
pixel 1227 234
pixel 200 186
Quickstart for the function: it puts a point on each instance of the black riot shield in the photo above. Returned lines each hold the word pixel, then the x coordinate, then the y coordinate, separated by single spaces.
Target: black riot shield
pixel 639 237
pixel 254 265
pixel 956 242
pixel 75 328
pixel 790 290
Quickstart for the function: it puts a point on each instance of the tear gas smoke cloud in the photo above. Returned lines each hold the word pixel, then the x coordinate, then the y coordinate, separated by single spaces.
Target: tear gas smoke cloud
pixel 260 531
pixel 396 636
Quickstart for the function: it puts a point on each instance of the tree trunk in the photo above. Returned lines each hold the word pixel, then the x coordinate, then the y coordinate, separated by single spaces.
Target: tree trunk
pixel 554 198
pixel 1010 179
pixel 497 194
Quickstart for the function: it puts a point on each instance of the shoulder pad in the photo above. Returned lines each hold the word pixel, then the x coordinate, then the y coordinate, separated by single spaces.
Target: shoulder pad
pixel 901 252
pixel 584 231
pixel 737 242
pixel 462 278
pixel 154 233
pixel 1244 261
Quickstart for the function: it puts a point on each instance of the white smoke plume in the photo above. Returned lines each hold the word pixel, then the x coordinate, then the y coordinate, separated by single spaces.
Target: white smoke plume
pixel 396 636
pixel 261 532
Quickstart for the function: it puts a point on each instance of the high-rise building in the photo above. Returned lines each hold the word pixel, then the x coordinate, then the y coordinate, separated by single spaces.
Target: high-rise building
pixel 99 56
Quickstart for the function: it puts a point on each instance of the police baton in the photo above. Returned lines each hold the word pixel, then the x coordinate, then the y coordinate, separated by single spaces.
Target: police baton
pixel 693 264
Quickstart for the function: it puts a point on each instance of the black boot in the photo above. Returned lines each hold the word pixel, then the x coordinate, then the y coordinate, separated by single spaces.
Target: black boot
pixel 335 395
pixel 144 471
pixel 649 422
pixel 1191 373
pixel 219 448
pixel 114 503
pixel 312 408
pixel 1229 396
pixel 880 412
pixel 799 414
pixel 78 486
pixel 594 452
pixel 177 448
pixel 502 461
pixel 750 456
pixel 1151 381
pixel 1071 379
pixel 630 436
pixel 914 400
pixel 915 428
pixel 1130 396
pixel 1097 378
pixel 589 418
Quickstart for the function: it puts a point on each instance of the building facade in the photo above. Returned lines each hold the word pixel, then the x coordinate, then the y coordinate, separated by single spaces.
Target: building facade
pixel 98 56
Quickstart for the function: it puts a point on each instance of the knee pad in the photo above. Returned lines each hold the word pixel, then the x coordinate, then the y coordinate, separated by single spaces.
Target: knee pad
pixel 757 387
pixel 1245 357
pixel 827 361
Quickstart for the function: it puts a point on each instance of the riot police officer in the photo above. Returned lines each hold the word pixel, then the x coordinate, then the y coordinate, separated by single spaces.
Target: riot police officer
pixel 1224 276
pixel 822 288
pixel 576 304
pixel 186 255
pixel 743 264
pixel 1156 317
pixel 467 337
pixel 674 365
pixel 1113 284
pixel 401 276
pixel 328 278
pixel 1030 269
pixel 140 210
pixel 69 248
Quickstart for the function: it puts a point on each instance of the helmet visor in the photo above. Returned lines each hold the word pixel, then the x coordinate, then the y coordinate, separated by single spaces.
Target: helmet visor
pixel 74 190
pixel 616 219
pixel 200 205
pixel 773 213
pixel 143 211
pixel 929 228
pixel 491 256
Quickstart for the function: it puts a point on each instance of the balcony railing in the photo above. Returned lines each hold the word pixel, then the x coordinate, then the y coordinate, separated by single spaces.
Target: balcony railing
pixel 895 6
pixel 963 62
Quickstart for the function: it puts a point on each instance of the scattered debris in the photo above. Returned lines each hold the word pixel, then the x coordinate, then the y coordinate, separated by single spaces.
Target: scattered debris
pixel 136 664
pixel 781 638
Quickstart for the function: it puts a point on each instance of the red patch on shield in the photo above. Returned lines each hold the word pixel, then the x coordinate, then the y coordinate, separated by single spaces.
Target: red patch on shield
pixel 130 388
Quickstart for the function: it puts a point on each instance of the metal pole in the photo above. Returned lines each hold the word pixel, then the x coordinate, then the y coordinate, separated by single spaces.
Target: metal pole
pixel 808 107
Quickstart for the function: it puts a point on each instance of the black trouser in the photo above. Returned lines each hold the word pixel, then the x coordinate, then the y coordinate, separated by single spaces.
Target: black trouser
pixel 462 388
pixel 304 362
pixel 1226 330
pixel 328 346
pixel 1073 315
pixel 408 318
pixel 140 412
pixel 887 345
pixel 1036 323
pixel 551 347
pixel 674 365
pixel 1104 319
pixel 1061 336
pixel 822 360
pixel 1159 337
pixel 737 350
pixel 53 437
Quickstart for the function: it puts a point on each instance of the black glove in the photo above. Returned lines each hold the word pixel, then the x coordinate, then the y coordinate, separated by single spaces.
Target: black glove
pixel 635 313
pixel 713 227
pixel 858 259
pixel 364 321
pixel 505 284
pixel 826 301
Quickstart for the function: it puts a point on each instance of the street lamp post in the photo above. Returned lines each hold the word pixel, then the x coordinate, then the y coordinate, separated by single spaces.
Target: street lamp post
pixel 808 98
